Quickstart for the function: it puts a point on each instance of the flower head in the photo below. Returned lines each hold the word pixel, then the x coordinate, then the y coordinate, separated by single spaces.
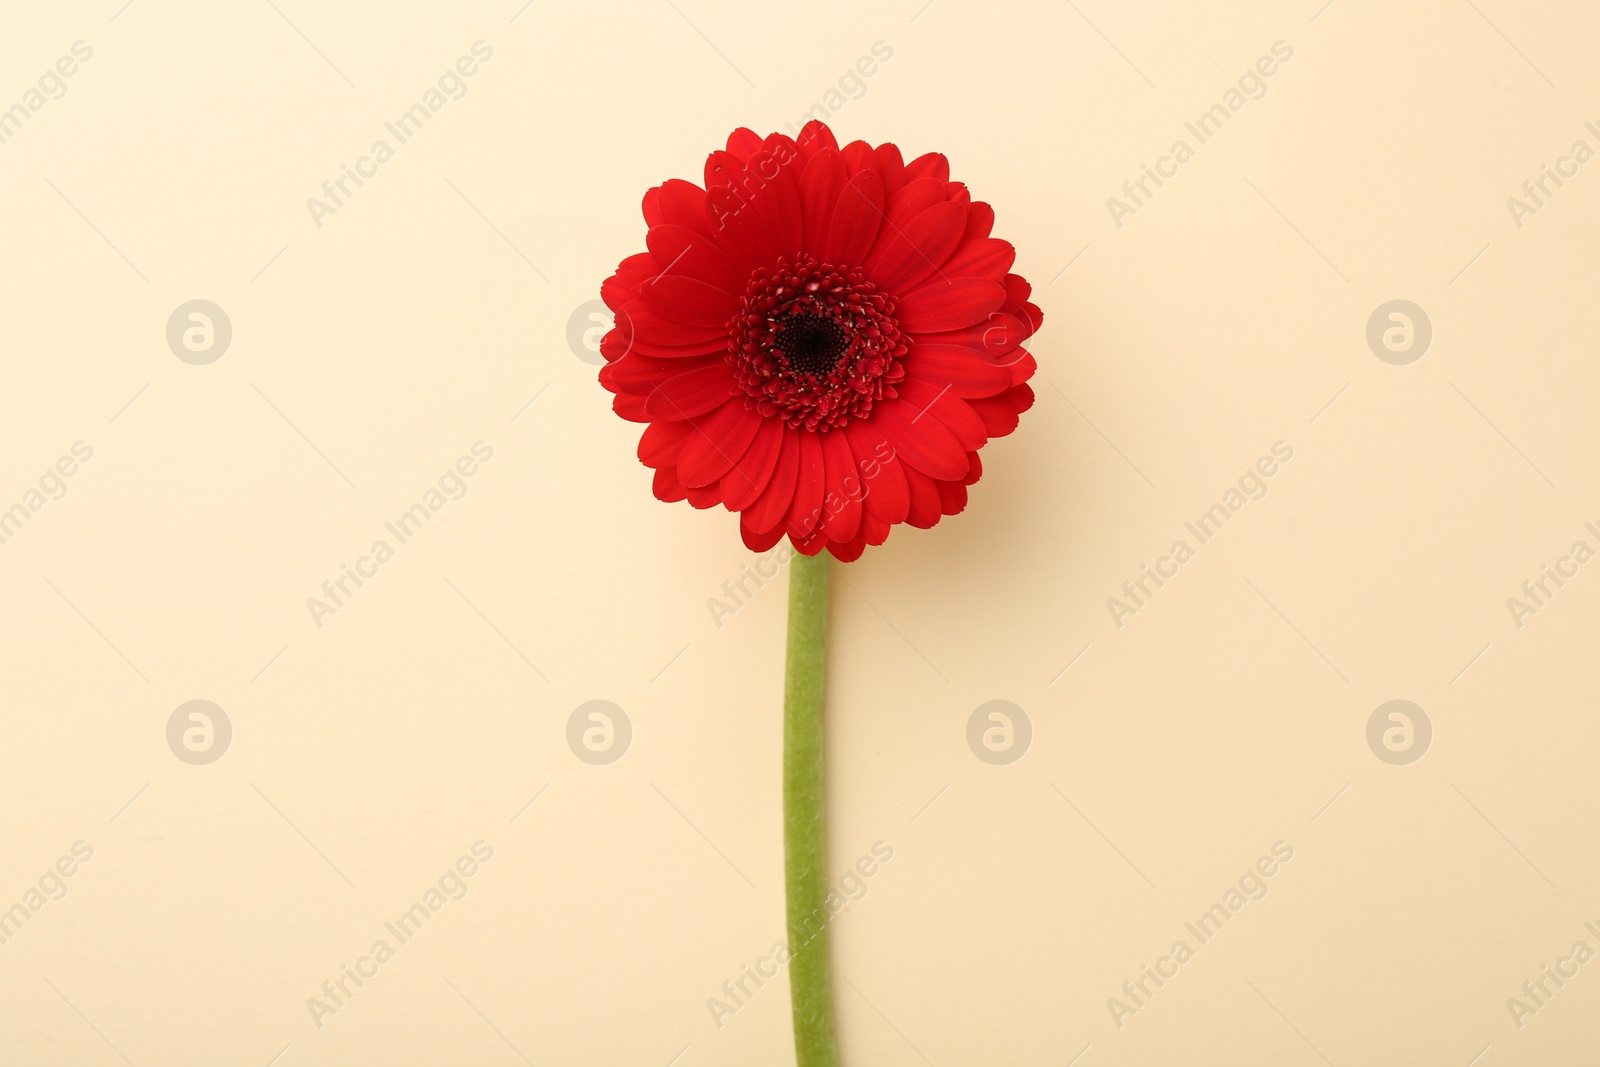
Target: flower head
pixel 820 340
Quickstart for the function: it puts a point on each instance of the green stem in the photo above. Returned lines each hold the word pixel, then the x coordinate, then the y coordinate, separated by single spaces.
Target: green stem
pixel 805 852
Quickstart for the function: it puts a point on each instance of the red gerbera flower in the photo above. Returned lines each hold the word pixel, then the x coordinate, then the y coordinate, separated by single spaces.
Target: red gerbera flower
pixel 821 339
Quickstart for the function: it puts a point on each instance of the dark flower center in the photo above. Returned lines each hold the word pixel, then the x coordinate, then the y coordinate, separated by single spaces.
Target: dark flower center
pixel 812 344
pixel 815 344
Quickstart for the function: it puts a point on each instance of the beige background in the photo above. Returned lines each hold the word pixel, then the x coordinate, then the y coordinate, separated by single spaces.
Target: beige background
pixel 1230 713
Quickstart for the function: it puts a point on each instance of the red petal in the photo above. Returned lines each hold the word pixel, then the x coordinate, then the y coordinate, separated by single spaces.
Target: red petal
pixel 614 345
pixel 814 137
pixel 787 151
pixel 684 204
pixel 703 497
pixel 998 416
pixel 629 406
pixel 693 393
pixel 681 250
pixel 742 485
pixel 988 258
pixel 975 471
pixel 1031 315
pixel 856 218
pixel 890 168
pixel 820 185
pixel 635 269
pixel 980 220
pixel 924 444
pixel 906 255
pixel 809 545
pixel 667 487
pixel 925 511
pixel 1021 367
pixel 715 346
pixel 883 479
pixel 931 165
pixel 652 207
pixel 640 374
pixel 847 551
pixel 736 224
pixel 1017 292
pixel 616 295
pixel 616 292
pixel 806 508
pixel 941 305
pixel 723 437
pixel 771 175
pixel 941 402
pixel 991 339
pixel 688 300
pixel 874 531
pixel 759 541
pixel 843 500
pixel 912 200
pixel 769 509
pixel 722 169
pixel 952 498
pixel 651 327
pixel 858 157
pixel 744 143
pixel 661 442
pixel 955 366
